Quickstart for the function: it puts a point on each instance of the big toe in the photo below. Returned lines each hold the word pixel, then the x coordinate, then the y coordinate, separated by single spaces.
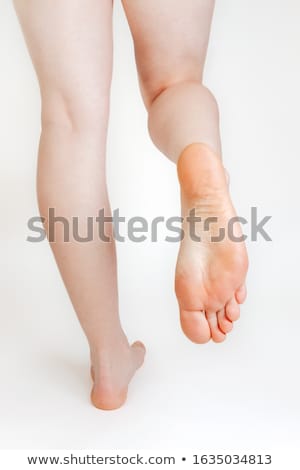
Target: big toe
pixel 195 326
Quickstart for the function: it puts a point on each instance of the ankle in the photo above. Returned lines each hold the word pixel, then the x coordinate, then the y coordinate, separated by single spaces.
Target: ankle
pixel 109 345
pixel 108 341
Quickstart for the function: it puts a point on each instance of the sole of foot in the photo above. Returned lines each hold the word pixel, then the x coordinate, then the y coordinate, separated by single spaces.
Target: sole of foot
pixel 111 374
pixel 212 262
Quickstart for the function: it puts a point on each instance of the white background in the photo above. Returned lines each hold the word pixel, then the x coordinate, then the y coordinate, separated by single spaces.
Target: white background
pixel 241 394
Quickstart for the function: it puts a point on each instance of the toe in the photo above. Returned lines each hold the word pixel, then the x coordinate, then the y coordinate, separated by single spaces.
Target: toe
pixel 216 334
pixel 195 326
pixel 232 310
pixel 138 349
pixel 138 345
pixel 225 325
pixel 241 294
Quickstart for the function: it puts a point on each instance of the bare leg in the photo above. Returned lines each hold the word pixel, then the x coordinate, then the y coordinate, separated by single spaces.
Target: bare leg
pixel 70 43
pixel 171 40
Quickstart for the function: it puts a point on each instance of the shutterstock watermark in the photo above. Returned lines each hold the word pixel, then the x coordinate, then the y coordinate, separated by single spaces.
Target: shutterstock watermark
pixel 138 229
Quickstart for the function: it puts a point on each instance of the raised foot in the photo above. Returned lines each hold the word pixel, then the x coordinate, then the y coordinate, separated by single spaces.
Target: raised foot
pixel 111 374
pixel 212 264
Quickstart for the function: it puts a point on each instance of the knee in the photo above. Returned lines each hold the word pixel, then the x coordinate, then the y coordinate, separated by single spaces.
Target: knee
pixel 75 111
pixel 183 92
pixel 155 83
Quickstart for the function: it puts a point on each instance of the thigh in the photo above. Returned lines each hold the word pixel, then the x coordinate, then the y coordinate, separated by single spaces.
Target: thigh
pixel 70 43
pixel 170 38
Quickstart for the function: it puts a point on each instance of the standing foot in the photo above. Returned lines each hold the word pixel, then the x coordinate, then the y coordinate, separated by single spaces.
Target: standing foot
pixel 111 372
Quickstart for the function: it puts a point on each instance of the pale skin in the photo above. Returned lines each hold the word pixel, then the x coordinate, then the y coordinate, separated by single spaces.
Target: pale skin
pixel 70 43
